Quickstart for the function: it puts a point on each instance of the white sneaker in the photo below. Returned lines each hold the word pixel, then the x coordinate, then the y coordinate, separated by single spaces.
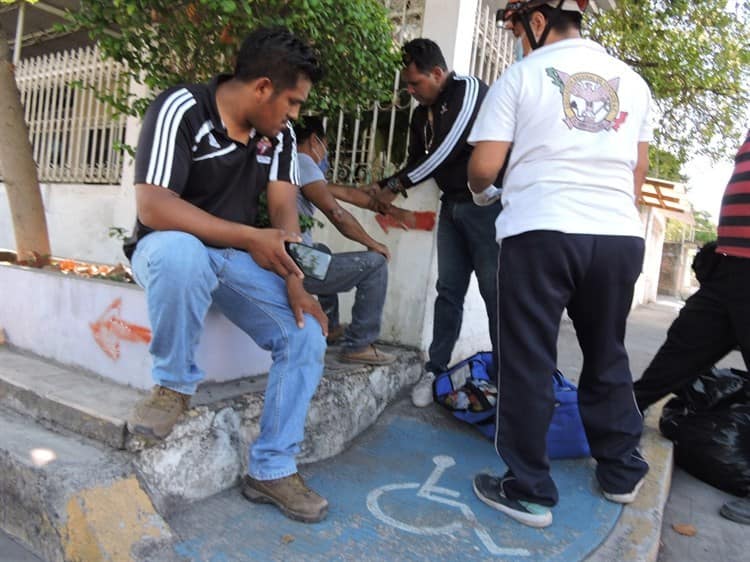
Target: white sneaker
pixel 625 498
pixel 421 394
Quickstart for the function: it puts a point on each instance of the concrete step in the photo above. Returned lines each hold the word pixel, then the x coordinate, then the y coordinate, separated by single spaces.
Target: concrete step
pixel 84 403
pixel 68 498
pixel 207 451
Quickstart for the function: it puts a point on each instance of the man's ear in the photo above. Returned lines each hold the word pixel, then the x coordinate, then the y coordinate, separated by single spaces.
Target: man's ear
pixel 437 73
pixel 263 88
pixel 538 23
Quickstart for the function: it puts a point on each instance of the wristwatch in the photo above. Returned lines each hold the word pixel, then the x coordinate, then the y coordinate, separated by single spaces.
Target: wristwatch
pixel 394 184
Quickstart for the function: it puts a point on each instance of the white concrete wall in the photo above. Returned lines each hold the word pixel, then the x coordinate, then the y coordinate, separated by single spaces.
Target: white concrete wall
pixel 51 314
pixel 78 219
pixel 654 225
pixel 450 23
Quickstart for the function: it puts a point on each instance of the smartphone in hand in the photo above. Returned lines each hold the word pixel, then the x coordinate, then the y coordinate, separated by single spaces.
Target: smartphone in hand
pixel 314 263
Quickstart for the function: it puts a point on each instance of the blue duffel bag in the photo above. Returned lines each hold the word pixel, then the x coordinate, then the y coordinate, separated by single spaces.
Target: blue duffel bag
pixel 469 393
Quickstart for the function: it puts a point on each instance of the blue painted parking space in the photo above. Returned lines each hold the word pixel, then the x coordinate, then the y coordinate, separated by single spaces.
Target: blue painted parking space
pixel 403 492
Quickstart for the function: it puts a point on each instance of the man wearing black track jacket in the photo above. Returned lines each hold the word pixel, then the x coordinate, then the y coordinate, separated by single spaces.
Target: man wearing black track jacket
pixel 448 105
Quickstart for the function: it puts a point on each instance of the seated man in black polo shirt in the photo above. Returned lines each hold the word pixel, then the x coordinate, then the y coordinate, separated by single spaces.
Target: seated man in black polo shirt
pixel 205 154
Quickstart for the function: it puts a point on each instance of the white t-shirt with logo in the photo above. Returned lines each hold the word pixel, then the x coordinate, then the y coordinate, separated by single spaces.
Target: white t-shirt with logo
pixel 575 116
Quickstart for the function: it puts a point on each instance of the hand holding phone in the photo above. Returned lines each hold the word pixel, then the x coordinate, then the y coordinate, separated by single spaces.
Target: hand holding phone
pixel 314 263
pixel 267 248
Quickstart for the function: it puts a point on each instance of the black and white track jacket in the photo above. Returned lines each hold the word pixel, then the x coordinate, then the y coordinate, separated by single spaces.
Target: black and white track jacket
pixel 446 158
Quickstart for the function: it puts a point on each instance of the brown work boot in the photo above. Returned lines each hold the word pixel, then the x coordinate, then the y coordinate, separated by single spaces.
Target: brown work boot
pixel 290 495
pixel 154 417
pixel 335 333
pixel 370 355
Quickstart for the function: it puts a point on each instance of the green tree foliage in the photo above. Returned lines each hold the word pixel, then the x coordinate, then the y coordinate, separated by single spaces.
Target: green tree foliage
pixel 702 232
pixel 165 42
pixel 705 229
pixel 664 165
pixel 695 55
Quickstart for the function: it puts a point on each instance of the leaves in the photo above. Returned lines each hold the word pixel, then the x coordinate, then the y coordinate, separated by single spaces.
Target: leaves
pixel 695 56
pixel 685 529
pixel 166 43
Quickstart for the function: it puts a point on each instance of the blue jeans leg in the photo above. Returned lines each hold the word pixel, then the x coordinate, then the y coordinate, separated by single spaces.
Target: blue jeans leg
pixel 478 224
pixel 256 301
pixel 175 270
pixel 368 272
pixel 329 302
pixel 465 243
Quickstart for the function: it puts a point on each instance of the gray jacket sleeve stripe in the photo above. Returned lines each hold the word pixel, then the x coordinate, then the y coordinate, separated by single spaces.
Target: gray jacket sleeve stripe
pixel 165 132
pixel 454 135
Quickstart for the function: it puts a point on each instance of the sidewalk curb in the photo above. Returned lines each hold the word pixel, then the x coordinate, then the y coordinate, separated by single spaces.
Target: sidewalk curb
pixel 65 498
pixel 637 534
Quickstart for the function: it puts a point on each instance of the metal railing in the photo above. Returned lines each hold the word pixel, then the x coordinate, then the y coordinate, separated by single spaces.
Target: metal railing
pixel 492 49
pixel 74 135
pixel 372 141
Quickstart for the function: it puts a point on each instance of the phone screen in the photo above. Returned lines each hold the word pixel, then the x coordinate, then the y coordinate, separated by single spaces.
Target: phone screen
pixel 313 262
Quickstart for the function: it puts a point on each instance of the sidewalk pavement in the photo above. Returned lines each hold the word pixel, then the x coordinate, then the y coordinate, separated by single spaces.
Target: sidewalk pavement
pixel 402 491
pixel 11 551
pixel 691 501
pixel 390 463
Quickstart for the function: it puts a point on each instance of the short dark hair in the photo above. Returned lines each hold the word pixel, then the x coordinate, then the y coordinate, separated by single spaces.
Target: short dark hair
pixel 424 53
pixel 307 127
pixel 565 20
pixel 279 55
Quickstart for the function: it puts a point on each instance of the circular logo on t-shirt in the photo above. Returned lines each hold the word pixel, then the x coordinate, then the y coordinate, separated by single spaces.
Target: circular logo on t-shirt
pixel 590 102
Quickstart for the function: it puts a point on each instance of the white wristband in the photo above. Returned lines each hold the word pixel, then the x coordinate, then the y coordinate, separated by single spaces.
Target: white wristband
pixel 486 197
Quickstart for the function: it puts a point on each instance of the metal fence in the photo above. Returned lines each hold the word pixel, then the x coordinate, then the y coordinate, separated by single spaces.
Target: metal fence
pixel 371 142
pixel 74 136
pixel 492 48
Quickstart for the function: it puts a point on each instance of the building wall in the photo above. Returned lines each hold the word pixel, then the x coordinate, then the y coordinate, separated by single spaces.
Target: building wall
pixel 676 277
pixel 79 217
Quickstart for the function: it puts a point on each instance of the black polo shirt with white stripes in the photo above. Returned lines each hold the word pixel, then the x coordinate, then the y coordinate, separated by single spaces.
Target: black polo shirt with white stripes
pixel 184 146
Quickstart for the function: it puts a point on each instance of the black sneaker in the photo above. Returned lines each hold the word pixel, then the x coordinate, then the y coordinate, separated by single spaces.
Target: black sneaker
pixel 626 497
pixel 489 489
pixel 737 511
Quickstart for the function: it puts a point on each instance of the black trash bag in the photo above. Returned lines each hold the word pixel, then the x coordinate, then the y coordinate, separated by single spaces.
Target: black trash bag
pixel 709 423
pixel 713 388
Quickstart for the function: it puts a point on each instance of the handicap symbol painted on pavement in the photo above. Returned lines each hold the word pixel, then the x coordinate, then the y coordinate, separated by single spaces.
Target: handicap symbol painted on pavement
pixel 402 492
pixel 429 490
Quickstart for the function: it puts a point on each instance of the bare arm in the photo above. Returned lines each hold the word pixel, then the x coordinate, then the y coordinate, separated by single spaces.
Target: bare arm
pixel 162 209
pixel 283 213
pixel 323 199
pixel 356 197
pixel 487 159
pixel 282 206
pixel 640 171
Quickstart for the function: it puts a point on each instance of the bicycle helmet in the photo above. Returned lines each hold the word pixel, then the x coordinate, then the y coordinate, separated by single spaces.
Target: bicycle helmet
pixel 521 10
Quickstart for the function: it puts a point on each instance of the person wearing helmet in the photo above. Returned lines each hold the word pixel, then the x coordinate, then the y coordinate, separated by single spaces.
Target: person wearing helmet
pixel 570 238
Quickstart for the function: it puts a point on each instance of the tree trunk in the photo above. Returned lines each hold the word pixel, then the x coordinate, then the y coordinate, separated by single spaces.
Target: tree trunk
pixel 18 169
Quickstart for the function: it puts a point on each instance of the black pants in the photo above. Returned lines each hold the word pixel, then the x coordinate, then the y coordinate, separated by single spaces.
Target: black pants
pixel 713 321
pixel 540 274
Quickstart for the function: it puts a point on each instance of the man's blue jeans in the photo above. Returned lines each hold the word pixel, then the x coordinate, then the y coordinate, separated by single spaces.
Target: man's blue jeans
pixel 465 243
pixel 368 272
pixel 183 278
